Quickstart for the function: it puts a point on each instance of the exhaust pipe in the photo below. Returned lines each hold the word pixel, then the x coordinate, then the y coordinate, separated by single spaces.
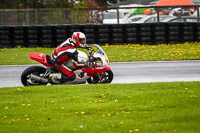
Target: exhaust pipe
pixel 39 79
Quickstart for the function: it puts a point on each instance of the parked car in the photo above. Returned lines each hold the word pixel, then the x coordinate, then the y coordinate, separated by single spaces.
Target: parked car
pixel 179 12
pixel 181 19
pixel 110 17
pixel 136 18
pixel 195 13
pixel 152 18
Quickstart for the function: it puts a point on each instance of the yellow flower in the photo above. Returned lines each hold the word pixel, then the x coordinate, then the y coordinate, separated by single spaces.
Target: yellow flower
pixel 127 112
pixel 136 130
pixel 194 96
pixel 23 104
pixel 129 97
pixel 25 115
pixel 109 115
pixel 6 107
pixel 12 120
pixel 76 112
pixel 27 119
pixel 4 116
pixel 82 113
pixel 102 95
pixel 62 108
pixel 28 105
pixel 100 101
pixel 130 131
pixel 121 122
pixel 19 89
pixel 106 44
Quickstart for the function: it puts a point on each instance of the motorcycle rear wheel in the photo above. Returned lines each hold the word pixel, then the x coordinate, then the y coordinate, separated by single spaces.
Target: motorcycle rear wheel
pixel 107 77
pixel 36 70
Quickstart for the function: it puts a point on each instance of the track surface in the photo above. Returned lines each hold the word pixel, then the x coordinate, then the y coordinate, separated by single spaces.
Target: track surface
pixel 125 72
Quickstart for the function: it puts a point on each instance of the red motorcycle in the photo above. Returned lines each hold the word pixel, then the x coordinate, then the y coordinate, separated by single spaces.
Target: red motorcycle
pixel 95 71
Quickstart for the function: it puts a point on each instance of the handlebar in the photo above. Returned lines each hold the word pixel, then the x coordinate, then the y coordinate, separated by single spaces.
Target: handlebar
pixel 87 47
pixel 91 60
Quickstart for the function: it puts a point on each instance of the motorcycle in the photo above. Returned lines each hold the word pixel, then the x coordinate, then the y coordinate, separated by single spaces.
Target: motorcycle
pixel 94 71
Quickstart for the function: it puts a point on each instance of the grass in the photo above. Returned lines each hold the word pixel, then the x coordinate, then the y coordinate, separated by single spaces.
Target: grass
pixel 111 108
pixel 116 53
pixel 144 107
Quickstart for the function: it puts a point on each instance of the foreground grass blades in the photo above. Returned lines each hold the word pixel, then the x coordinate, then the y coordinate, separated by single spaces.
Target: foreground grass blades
pixel 146 108
pixel 116 53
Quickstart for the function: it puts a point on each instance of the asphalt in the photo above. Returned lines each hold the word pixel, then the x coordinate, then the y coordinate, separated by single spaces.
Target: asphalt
pixel 125 72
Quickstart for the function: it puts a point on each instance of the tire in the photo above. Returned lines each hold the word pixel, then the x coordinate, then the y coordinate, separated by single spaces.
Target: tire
pixel 107 78
pixel 36 70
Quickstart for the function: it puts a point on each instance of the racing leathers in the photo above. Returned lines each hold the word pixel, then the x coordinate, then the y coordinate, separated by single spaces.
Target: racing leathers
pixel 64 52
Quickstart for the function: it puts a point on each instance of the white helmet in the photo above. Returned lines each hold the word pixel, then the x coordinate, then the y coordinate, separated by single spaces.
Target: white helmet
pixel 79 38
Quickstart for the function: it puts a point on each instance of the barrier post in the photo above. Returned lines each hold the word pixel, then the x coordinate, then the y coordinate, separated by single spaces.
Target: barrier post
pixel 117 15
pixel 158 15
pixel 198 13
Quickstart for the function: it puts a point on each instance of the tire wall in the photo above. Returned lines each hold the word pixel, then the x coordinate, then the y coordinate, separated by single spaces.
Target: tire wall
pixel 116 34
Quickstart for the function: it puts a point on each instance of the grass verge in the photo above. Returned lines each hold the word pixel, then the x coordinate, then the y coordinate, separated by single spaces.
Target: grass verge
pixel 116 53
pixel 145 107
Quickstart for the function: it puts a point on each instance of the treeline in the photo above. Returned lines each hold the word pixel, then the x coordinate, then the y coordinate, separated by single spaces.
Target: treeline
pixel 36 3
pixel 50 3
pixel 62 3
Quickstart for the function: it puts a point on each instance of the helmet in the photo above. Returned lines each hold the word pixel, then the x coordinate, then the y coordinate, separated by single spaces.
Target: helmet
pixel 79 39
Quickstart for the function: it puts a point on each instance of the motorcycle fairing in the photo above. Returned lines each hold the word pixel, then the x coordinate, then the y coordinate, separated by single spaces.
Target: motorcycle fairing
pixel 40 57
pixel 93 71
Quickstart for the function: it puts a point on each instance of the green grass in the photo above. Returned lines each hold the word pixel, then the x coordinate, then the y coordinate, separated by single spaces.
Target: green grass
pixel 116 53
pixel 145 108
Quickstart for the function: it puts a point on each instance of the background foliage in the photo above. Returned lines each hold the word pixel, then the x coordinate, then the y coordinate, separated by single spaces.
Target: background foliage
pixel 59 3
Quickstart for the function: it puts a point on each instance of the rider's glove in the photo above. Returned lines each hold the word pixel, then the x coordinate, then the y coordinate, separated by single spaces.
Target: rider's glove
pixel 87 47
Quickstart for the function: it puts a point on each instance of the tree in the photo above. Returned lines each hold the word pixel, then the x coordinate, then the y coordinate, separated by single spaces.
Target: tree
pixel 104 3
pixel 35 4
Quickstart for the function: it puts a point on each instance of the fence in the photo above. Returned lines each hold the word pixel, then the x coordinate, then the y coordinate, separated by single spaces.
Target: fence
pixel 52 16
pixel 51 36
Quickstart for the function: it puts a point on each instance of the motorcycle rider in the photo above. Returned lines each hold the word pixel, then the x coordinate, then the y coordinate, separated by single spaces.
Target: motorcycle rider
pixel 67 51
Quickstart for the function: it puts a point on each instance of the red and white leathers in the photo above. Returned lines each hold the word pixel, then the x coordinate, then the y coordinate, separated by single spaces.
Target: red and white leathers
pixel 64 52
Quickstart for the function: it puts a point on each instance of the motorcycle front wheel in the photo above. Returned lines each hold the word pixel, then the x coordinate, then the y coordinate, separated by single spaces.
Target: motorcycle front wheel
pixel 36 70
pixel 106 77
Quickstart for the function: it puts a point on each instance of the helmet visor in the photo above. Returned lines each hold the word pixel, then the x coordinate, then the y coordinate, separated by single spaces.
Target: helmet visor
pixel 83 41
